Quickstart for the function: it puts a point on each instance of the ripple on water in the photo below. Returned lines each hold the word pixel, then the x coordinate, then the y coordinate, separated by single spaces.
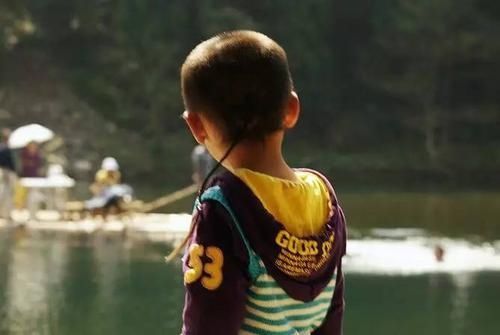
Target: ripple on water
pixel 416 255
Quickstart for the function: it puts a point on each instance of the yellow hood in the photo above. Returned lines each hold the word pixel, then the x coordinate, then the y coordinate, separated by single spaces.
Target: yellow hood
pixel 301 206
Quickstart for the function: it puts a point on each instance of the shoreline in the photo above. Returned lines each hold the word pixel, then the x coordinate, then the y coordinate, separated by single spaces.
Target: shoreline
pixel 154 227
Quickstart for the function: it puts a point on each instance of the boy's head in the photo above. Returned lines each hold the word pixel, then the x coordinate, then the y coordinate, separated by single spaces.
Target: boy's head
pixel 239 83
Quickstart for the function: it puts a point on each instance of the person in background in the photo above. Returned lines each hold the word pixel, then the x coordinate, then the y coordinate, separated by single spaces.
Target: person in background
pixel 108 175
pixel 203 163
pixel 265 248
pixel 31 167
pixel 7 175
pixel 109 193
pixel 31 161
pixel 439 253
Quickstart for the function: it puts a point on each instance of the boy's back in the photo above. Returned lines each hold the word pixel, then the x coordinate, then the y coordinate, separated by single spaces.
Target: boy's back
pixel 266 272
pixel 264 255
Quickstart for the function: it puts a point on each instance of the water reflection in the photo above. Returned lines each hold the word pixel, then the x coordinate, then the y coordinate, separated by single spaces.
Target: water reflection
pixel 416 255
pixel 452 215
pixel 111 256
pixel 463 284
pixel 4 276
pixel 51 282
pixel 104 283
pixel 32 284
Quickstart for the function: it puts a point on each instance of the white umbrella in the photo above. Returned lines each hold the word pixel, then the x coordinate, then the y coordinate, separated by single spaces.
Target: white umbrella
pixel 20 137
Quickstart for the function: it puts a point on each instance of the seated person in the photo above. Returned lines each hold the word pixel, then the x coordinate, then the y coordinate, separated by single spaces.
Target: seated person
pixel 108 175
pixel 107 188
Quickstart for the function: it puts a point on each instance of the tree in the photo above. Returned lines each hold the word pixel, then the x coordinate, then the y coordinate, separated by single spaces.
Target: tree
pixel 415 57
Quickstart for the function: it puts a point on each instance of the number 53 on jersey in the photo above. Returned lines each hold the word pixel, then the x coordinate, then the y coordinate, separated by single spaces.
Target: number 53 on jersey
pixel 210 272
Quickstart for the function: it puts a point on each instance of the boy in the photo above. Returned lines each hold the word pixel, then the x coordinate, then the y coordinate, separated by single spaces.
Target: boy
pixel 264 253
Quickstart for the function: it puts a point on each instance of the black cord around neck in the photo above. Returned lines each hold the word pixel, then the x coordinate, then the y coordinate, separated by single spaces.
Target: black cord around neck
pixel 217 166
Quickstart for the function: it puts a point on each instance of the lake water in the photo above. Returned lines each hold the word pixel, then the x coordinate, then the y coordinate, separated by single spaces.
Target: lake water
pixel 55 283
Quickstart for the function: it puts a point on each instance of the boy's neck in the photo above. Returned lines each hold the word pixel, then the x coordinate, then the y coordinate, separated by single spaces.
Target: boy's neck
pixel 261 156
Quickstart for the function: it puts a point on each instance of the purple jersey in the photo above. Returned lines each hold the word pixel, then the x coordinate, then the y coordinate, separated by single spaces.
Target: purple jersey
pixel 232 233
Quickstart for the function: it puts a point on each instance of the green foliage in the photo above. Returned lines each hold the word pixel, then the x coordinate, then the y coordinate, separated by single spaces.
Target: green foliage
pixel 424 54
pixel 396 73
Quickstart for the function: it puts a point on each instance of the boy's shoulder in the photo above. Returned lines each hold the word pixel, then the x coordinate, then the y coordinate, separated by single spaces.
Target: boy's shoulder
pixel 326 181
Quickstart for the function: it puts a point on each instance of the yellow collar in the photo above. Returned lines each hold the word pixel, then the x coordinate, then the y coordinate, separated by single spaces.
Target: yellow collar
pixel 302 206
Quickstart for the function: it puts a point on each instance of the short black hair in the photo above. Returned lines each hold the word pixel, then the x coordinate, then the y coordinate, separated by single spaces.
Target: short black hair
pixel 241 79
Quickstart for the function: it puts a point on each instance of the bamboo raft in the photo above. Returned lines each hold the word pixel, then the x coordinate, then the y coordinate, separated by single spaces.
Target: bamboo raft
pixel 136 219
pixel 151 226
pixel 77 208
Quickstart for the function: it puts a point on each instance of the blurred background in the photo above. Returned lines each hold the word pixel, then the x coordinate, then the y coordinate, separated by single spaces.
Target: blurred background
pixel 400 108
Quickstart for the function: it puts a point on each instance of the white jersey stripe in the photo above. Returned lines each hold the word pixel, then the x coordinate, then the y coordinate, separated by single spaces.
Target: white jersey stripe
pixel 289 313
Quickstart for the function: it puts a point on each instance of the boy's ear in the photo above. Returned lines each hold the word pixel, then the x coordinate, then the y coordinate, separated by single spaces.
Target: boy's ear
pixel 196 126
pixel 292 111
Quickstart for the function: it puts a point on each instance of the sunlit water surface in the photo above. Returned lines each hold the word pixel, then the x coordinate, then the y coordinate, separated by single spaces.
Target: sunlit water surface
pixel 57 283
